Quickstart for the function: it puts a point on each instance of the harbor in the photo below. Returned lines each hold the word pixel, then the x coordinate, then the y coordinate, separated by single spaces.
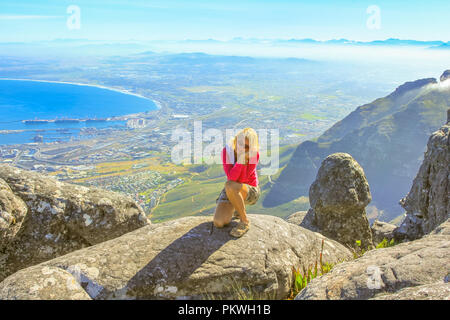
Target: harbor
pixel 64 120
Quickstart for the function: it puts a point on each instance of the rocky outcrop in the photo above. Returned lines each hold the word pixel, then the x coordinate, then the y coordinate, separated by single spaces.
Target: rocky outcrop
pixel 338 197
pixel 303 219
pixel 427 204
pixel 387 137
pixel 42 218
pixel 180 259
pixel 420 265
pixel 417 269
pixel 12 214
pixel 435 291
pixel 382 230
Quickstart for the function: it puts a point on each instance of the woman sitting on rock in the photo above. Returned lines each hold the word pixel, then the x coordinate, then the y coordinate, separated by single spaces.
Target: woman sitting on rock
pixel 239 157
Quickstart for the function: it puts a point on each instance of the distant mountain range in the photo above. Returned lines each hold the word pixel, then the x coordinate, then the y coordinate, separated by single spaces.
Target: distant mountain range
pixel 387 137
pixel 76 48
pixel 388 42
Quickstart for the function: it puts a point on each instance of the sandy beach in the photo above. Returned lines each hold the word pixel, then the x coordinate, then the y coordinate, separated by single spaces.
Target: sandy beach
pixel 158 105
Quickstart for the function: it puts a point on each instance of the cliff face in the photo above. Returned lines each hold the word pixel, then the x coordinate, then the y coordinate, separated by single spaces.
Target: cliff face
pixel 427 204
pixel 42 218
pixel 386 137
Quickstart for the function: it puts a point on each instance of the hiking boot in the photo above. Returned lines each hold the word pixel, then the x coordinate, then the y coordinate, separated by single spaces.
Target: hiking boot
pixel 239 230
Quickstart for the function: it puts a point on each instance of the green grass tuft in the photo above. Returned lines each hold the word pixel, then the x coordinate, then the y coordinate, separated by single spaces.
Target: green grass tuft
pixel 304 276
pixel 386 244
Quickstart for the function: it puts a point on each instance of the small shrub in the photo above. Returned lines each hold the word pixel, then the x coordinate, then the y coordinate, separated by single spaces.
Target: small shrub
pixel 358 252
pixel 303 277
pixel 386 244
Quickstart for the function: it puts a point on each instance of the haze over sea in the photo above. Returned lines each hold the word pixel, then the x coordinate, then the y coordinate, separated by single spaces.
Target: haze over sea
pixel 26 100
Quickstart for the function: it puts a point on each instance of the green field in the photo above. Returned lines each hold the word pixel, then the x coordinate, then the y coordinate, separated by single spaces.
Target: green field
pixel 310 116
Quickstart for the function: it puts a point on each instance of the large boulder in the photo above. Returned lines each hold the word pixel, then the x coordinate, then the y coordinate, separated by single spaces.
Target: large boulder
pixel 42 218
pixel 420 265
pixel 338 197
pixel 382 230
pixel 427 204
pixel 303 219
pixel 186 258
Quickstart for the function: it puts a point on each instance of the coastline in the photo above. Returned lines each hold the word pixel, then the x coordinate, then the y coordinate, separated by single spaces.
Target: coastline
pixel 157 103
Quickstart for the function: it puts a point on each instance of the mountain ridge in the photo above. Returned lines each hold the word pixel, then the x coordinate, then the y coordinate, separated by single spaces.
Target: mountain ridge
pixel 387 137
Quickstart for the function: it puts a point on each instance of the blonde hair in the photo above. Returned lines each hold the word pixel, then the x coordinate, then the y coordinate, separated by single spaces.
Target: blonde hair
pixel 252 137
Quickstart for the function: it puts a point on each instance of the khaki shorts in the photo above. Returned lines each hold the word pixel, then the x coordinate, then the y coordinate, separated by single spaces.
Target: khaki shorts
pixel 252 195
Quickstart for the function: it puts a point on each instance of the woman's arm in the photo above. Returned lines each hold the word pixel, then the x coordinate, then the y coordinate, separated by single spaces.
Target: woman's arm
pixel 233 172
pixel 253 162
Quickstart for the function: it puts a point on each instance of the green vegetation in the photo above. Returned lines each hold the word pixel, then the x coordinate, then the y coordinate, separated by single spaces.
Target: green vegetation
pixel 301 279
pixel 359 252
pixel 386 244
pixel 194 197
pixel 310 116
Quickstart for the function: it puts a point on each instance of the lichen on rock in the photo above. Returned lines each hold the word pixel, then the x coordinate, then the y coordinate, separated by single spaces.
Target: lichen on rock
pixel 338 198
pixel 186 258
pixel 427 204
pixel 42 218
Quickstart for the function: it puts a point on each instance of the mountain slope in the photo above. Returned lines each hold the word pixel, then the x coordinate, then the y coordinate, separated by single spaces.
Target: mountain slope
pixel 387 137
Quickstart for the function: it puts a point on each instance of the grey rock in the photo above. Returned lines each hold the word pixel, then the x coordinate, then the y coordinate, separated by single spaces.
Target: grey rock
pixel 60 218
pixel 382 230
pixel 339 196
pixel 186 258
pixel 386 271
pixel 12 214
pixel 435 291
pixel 427 204
pixel 304 219
pixel 45 285
pixel 443 229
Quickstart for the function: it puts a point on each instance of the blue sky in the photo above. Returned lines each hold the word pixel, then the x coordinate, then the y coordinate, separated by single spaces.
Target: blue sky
pixel 29 20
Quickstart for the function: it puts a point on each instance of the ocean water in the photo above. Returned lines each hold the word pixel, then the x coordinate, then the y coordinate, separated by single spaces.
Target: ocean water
pixel 26 100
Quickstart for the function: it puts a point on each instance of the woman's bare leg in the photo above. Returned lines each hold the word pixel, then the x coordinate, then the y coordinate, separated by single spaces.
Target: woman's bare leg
pixel 236 193
pixel 223 215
